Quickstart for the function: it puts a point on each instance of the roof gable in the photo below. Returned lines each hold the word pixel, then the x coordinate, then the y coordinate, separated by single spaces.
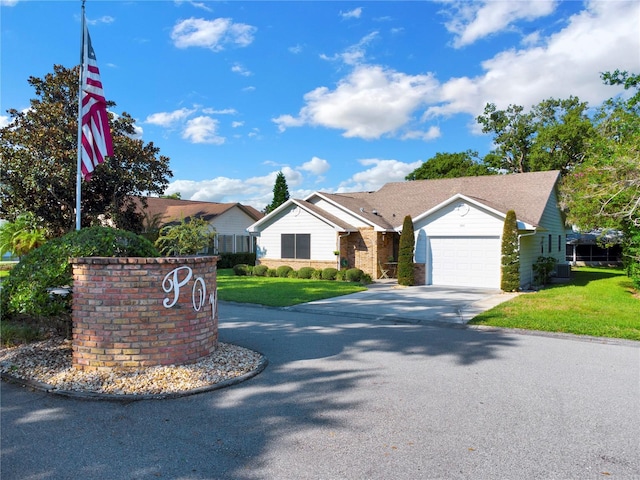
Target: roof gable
pixel 171 210
pixel 525 193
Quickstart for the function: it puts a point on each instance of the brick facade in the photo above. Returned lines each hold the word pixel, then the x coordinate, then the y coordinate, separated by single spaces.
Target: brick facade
pixel 137 312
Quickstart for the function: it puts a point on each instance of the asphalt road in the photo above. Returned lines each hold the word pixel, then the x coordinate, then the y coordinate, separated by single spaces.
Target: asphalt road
pixel 354 398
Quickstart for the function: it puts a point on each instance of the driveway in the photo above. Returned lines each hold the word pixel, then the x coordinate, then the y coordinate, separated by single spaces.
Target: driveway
pixel 417 304
pixel 346 397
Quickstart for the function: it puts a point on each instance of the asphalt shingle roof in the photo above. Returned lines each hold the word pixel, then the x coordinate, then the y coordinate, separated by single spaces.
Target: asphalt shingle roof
pixel 526 193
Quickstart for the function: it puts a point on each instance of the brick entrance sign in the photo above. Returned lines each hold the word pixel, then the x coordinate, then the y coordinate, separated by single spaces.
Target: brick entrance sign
pixel 132 312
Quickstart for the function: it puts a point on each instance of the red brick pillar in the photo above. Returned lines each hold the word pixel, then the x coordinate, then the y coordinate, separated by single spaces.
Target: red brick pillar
pixel 132 312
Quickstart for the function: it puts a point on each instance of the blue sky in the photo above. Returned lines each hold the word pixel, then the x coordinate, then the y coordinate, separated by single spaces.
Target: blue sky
pixel 340 96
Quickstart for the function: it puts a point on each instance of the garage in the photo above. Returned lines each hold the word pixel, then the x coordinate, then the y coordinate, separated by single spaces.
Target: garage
pixel 464 261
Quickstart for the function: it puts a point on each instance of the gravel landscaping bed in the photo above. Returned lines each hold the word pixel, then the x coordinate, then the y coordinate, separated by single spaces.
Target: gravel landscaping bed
pixel 49 362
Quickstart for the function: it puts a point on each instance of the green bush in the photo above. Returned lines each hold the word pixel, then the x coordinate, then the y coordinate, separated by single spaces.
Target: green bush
pixel 283 271
pixel 305 272
pixel 510 263
pixel 292 274
pixel 260 270
pixel 24 291
pixel 341 276
pixel 272 272
pixel 542 269
pixel 242 269
pixel 329 273
pixel 354 275
pixel 405 254
pixel 366 279
pixel 317 274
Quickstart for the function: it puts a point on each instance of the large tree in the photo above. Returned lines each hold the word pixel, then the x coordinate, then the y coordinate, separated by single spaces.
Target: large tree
pixel 38 150
pixel 604 191
pixel 513 132
pixel 553 135
pixel 450 165
pixel 280 193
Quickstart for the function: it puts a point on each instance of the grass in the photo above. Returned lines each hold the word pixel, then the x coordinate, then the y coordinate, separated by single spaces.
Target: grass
pixel 17 333
pixel 598 302
pixel 279 292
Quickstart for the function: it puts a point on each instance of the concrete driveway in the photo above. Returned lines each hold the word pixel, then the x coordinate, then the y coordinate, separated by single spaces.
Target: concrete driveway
pixel 417 304
pixel 345 397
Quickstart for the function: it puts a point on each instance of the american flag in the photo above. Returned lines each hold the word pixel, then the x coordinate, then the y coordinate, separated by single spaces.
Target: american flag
pixel 96 136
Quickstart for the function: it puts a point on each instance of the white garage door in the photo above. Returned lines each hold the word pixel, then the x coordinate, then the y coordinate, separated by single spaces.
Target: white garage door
pixel 467 261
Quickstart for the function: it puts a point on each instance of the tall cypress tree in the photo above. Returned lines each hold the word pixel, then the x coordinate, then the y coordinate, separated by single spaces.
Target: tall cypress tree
pixel 510 278
pixel 405 254
pixel 280 193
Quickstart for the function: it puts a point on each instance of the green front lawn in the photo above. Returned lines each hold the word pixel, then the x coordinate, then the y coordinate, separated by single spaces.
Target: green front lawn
pixel 279 292
pixel 598 302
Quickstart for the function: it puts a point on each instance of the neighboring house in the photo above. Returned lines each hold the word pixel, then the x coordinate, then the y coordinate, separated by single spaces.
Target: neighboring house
pixel 458 227
pixel 594 248
pixel 230 220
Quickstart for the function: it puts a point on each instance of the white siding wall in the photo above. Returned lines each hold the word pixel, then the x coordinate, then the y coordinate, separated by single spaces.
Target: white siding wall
pixel 337 212
pixel 232 222
pixel 297 220
pixel 532 247
pixel 449 222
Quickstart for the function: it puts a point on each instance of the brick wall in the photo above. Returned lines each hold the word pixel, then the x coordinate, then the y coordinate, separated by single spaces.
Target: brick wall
pixel 137 312
pixel 297 264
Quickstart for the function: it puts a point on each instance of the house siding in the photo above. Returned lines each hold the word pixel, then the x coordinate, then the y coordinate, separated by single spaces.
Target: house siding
pixel 451 220
pixel 232 222
pixel 534 246
pixel 297 220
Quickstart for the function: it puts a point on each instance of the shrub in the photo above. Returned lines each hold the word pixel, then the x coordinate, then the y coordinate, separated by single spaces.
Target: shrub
pixel 354 275
pixel 317 274
pixel 292 274
pixel 272 272
pixel 341 275
pixel 283 271
pixel 260 270
pixel 405 254
pixel 305 272
pixel 329 273
pixel 542 269
pixel 510 263
pixel 366 279
pixel 242 270
pixel 24 291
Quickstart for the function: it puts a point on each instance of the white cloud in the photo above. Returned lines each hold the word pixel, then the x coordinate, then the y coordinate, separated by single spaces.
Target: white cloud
pixel 371 102
pixel 602 37
pixel 296 49
pixel 166 119
pixel 202 130
pixel 224 111
pixel 213 34
pixel 355 13
pixel 472 21
pixel 431 134
pixel 9 3
pixel 317 166
pixel 354 54
pixel 237 124
pixel 104 19
pixel 4 121
pixel 240 70
pixel 380 172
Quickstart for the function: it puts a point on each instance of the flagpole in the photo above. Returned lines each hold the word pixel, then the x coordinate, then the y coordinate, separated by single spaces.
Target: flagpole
pixel 79 162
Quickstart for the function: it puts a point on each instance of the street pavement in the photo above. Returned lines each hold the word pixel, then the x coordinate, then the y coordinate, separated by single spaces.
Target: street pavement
pixel 355 396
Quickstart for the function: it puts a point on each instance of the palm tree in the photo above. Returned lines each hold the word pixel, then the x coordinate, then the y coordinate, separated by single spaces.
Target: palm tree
pixel 22 235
